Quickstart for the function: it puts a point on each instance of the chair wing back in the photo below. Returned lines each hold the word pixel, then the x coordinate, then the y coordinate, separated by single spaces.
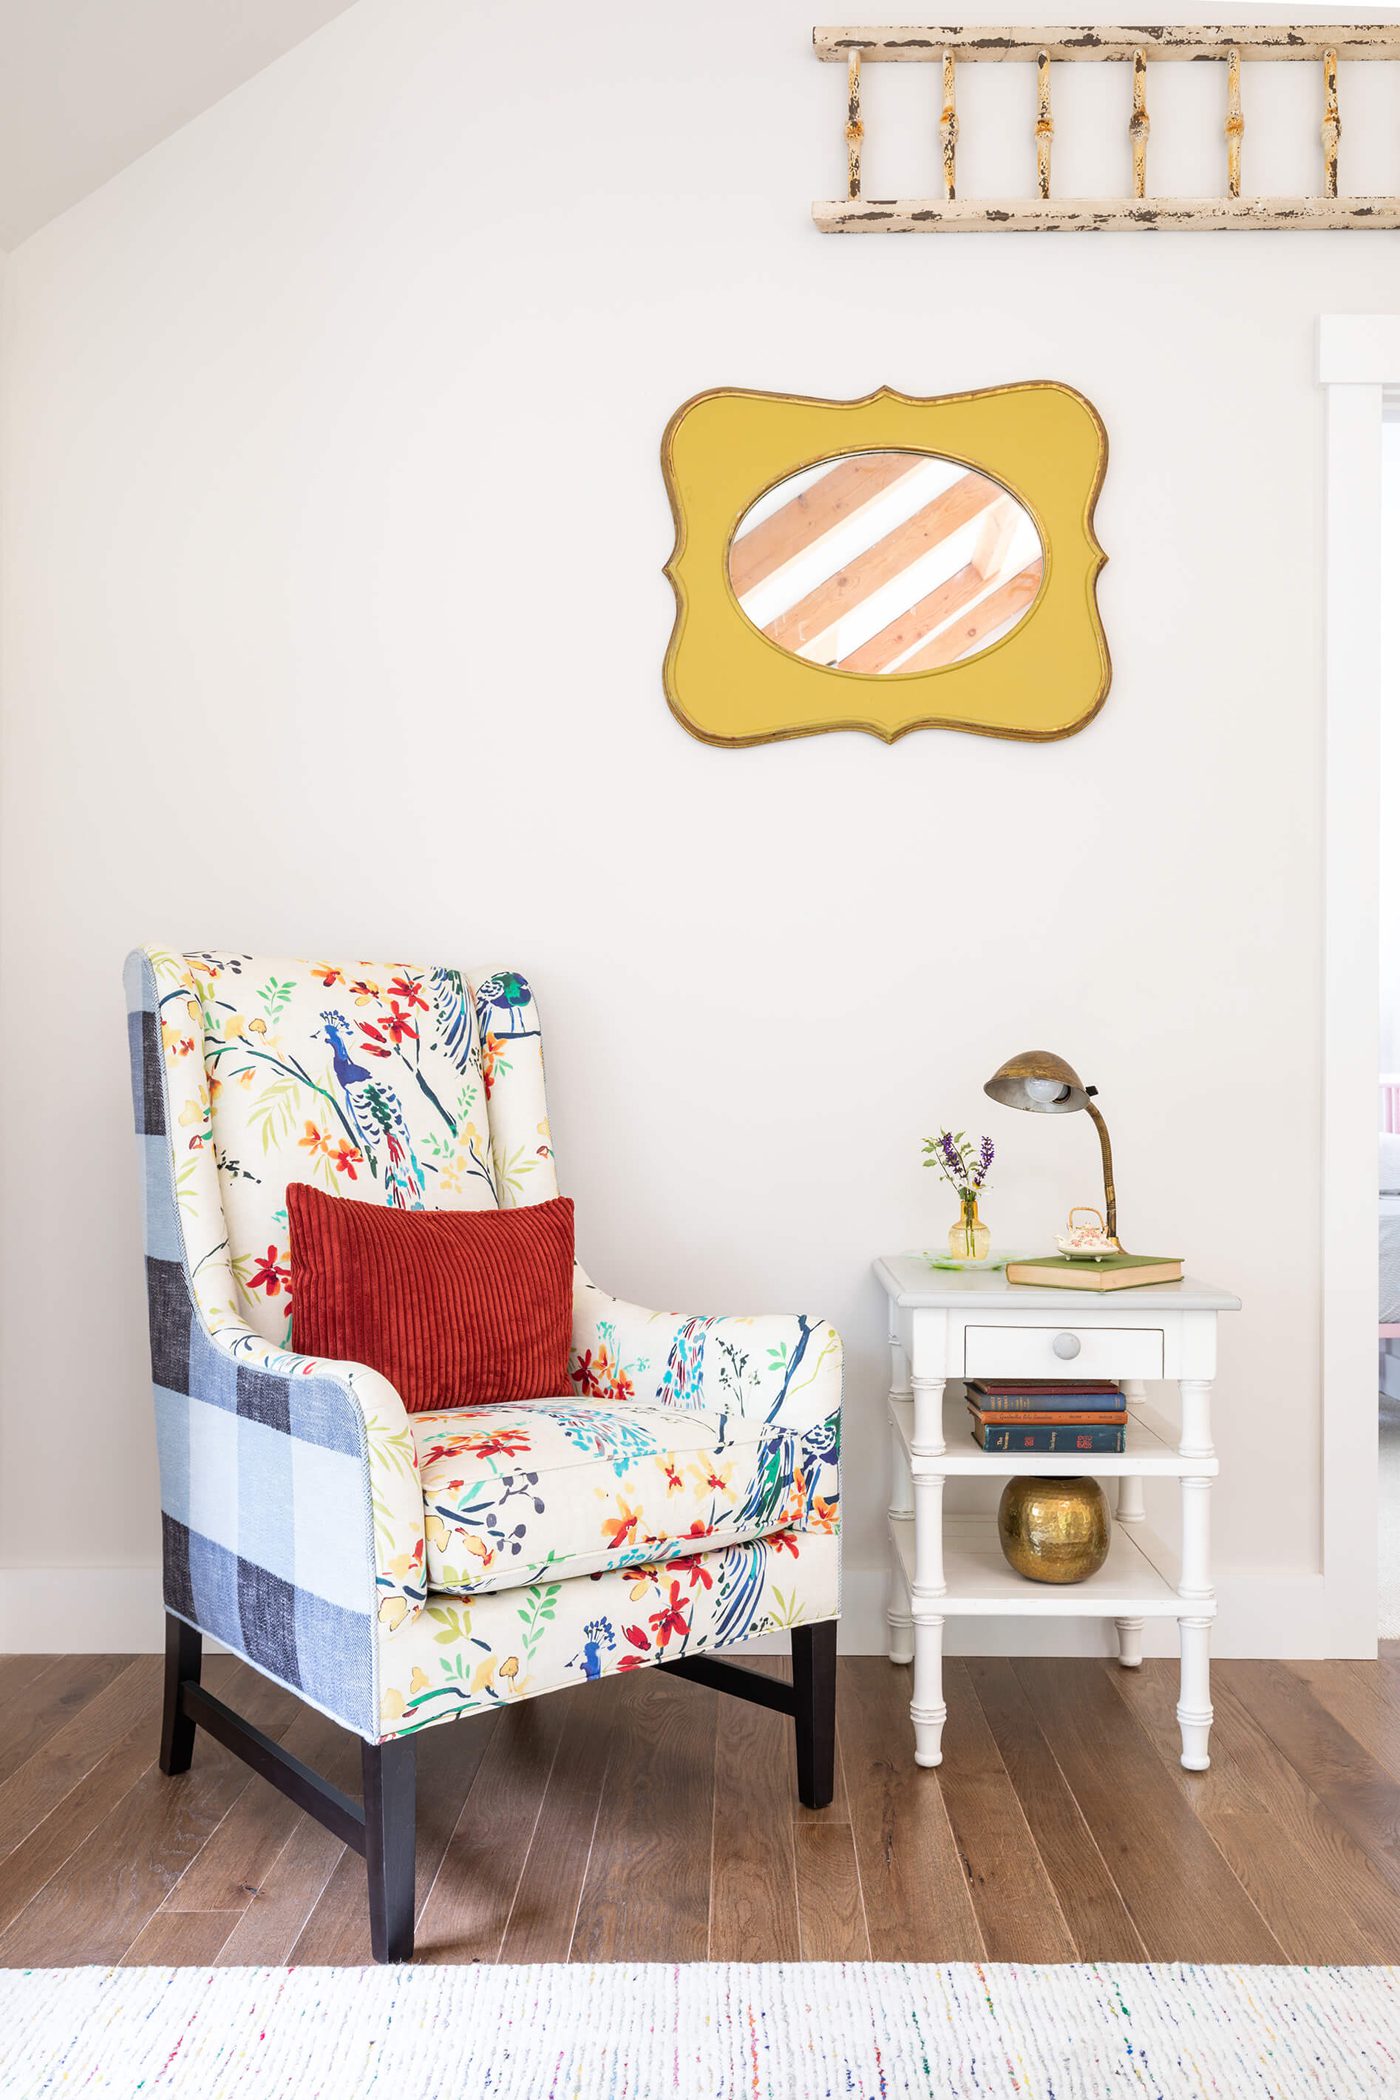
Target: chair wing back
pixel 416 1086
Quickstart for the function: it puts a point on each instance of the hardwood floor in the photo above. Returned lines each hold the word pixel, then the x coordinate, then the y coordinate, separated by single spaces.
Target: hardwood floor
pixel 646 1818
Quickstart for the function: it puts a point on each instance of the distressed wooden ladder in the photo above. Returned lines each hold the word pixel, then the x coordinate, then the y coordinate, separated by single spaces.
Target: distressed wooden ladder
pixel 1230 47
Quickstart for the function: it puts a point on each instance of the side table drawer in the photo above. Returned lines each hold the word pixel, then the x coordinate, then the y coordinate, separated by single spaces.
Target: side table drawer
pixel 1082 1352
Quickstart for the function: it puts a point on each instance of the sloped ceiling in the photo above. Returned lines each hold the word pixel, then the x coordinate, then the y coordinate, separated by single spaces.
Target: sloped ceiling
pixel 87 86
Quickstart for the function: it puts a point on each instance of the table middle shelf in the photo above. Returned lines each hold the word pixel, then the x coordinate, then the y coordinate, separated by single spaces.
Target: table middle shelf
pixel 1147 1453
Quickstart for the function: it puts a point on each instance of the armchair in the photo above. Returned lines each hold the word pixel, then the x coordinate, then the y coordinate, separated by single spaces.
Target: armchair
pixel 396 1570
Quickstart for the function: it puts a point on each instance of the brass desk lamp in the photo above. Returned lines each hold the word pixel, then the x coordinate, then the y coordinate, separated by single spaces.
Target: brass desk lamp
pixel 1046 1085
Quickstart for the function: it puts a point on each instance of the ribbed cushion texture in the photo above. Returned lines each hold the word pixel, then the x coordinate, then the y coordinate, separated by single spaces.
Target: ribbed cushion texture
pixel 455 1308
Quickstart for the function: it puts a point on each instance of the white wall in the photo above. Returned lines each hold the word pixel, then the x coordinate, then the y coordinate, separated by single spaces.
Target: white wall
pixel 295 657
pixel 1390 751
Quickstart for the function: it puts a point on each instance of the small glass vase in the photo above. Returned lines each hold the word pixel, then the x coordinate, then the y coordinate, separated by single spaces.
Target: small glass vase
pixel 969 1239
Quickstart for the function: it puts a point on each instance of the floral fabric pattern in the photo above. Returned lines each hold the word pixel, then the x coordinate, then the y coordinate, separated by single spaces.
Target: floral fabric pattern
pixel 365 1079
pixel 462 1655
pixel 512 1494
pixel 780 1368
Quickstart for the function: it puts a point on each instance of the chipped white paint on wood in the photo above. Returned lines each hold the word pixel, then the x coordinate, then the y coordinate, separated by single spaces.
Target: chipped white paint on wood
pixel 948 126
pixel 884 45
pixel 1139 124
pixel 1331 124
pixel 1234 121
pixel 1090 215
pixel 855 130
pixel 1044 123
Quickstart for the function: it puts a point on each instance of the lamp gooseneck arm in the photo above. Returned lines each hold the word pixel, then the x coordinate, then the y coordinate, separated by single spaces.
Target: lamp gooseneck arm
pixel 1110 1194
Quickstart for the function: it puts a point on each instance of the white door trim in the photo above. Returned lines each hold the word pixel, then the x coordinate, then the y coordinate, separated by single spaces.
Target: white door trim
pixel 1358 361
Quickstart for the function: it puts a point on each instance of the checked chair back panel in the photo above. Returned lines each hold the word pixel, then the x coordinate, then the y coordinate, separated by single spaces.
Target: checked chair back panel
pixel 415 1086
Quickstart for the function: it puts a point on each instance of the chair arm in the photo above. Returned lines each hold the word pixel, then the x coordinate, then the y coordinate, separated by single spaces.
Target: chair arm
pixel 360 1404
pixel 784 1368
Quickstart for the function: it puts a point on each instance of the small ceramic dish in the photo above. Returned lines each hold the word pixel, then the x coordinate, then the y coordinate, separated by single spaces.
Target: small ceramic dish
pixel 1086 1242
pixel 995 1260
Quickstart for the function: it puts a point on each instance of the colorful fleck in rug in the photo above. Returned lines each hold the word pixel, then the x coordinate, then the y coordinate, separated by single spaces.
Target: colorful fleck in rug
pixel 801 2031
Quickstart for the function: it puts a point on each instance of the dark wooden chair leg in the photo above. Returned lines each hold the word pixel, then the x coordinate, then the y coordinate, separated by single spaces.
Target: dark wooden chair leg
pixel 184 1649
pixel 390 1791
pixel 814 1710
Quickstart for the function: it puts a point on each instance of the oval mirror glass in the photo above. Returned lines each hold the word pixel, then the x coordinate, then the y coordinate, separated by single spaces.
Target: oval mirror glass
pixel 886 562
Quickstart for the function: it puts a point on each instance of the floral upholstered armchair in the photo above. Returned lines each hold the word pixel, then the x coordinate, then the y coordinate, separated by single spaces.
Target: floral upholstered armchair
pixel 401 1570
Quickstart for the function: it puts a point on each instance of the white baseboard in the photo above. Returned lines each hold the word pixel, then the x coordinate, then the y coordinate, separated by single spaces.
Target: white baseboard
pixel 118 1611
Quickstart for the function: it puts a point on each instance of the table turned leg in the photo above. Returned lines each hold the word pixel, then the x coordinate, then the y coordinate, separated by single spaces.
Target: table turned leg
pixel 926 1708
pixel 1130 1642
pixel 899 1616
pixel 1194 1710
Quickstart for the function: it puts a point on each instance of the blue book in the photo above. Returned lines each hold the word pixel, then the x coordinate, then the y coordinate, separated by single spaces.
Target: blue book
pixel 1088 1437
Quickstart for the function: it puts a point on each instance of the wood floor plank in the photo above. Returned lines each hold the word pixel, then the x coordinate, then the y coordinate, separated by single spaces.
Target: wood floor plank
pixel 337 1930
pixel 289 1891
pixel 646 1896
pixel 831 1916
pixel 541 1923
pixel 54 1830
pixel 99 1893
pixel 1184 1900
pixel 1346 1778
pixel 35 1705
pixel 1017 1910
pixel 131 1701
pixel 753 1875
pixel 468 1907
pixel 175 1939
pixel 1097 1918
pixel 17 1671
pixel 1365 1701
pixel 917 1903
pixel 1317 1891
pixel 228 1872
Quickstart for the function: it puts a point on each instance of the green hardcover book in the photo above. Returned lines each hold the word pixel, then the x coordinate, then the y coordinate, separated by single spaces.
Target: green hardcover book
pixel 1113 1272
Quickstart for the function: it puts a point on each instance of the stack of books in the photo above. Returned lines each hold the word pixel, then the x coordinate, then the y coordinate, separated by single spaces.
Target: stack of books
pixel 1047 1414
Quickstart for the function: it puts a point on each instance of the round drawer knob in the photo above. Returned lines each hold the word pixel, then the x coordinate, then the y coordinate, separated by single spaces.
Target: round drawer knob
pixel 1066 1346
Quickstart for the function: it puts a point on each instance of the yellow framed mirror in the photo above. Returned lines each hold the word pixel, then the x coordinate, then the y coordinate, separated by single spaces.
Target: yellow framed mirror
pixel 886 564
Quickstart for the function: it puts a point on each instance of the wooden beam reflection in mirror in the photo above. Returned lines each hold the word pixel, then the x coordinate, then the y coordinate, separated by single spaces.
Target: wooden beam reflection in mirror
pixel 933 611
pixel 922 620
pixel 861 578
pixel 851 484
pixel 1000 609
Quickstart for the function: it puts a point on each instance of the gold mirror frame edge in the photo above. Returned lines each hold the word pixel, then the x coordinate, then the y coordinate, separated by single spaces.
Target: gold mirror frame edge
pixel 826 721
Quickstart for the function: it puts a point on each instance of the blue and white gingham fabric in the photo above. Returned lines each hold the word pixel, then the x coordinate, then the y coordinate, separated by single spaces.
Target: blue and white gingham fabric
pixel 265 1513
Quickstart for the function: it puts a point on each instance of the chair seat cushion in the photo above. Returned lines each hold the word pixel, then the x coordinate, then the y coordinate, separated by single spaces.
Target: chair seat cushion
pixel 574 1487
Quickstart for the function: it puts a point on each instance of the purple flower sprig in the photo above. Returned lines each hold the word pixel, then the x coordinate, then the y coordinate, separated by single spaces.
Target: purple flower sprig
pixel 963 1164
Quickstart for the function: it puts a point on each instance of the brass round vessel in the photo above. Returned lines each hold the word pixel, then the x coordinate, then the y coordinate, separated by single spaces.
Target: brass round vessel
pixel 1053 1530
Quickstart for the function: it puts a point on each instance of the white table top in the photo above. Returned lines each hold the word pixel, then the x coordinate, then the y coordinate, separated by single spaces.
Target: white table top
pixel 910 1280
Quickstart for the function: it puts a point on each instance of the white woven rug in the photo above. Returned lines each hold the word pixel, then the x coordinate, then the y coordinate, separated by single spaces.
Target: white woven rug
pixel 864 2031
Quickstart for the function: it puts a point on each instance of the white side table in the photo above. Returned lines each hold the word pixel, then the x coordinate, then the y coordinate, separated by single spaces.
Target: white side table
pixel 947 1325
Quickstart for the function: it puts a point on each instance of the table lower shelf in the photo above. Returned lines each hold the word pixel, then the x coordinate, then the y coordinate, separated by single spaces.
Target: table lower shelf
pixel 1129 1585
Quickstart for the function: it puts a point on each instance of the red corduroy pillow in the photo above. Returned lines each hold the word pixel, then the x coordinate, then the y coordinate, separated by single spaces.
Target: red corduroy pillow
pixel 457 1308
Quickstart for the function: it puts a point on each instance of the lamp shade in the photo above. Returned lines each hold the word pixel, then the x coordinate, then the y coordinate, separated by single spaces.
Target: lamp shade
pixel 1036 1080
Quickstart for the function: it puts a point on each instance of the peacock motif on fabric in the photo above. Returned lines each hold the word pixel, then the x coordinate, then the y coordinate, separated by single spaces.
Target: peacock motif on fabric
pixel 684 1375
pixel 378 1117
pixel 455 1018
pixel 501 1001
